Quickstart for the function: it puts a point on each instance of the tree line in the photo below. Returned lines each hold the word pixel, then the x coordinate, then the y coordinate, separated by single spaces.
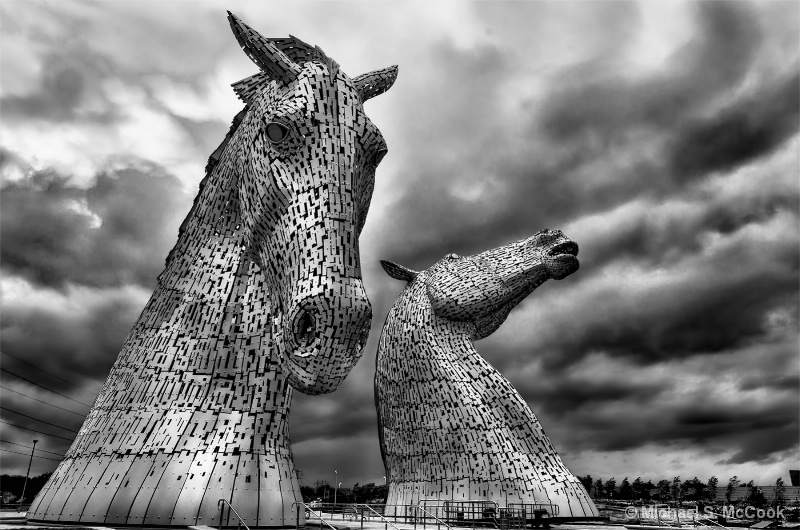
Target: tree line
pixel 364 494
pixel 11 487
pixel 678 490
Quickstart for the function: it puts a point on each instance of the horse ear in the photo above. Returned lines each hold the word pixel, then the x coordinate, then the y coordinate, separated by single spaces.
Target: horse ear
pixel 264 53
pixel 398 272
pixel 375 83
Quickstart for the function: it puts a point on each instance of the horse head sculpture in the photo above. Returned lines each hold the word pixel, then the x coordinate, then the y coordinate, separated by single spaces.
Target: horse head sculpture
pixel 304 192
pixel 481 290
pixel 452 429
pixel 262 294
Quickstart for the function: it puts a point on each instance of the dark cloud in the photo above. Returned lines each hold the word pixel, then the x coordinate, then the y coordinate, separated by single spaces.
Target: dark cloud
pixel 674 270
pixel 597 99
pixel 755 432
pixel 560 397
pixel 51 235
pixel 706 313
pixel 773 381
pixel 739 133
pixel 352 413
pixel 79 345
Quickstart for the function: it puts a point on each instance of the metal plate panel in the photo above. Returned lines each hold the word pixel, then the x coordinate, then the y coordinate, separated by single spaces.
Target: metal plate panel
pixel 83 488
pixel 128 488
pixel 38 509
pixel 148 489
pixel 187 508
pixel 220 486
pixel 71 476
pixel 100 499
pixel 159 512
pixel 270 500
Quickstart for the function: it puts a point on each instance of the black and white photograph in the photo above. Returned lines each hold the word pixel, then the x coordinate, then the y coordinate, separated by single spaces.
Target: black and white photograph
pixel 346 264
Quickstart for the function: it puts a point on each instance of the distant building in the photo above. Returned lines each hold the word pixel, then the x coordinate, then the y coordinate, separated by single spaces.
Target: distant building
pixel 794 476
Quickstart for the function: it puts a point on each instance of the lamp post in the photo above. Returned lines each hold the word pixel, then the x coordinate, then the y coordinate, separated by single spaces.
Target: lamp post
pixel 338 485
pixel 335 487
pixel 25 484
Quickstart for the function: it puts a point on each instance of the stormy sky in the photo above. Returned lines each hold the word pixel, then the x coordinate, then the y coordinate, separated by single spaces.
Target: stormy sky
pixel 662 137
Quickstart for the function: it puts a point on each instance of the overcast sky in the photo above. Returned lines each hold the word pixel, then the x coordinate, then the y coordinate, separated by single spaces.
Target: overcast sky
pixel 662 137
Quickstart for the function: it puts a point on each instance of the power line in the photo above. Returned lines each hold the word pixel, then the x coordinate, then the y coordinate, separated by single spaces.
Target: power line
pixel 37 419
pixel 49 373
pixel 45 402
pixel 29 447
pixel 34 456
pixel 42 386
pixel 34 430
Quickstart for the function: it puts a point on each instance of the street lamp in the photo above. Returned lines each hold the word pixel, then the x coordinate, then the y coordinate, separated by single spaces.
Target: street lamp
pixel 25 484
pixel 338 485
pixel 336 488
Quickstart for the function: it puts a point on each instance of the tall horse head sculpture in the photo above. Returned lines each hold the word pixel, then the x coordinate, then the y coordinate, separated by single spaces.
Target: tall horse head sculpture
pixel 305 178
pixel 452 428
pixel 261 294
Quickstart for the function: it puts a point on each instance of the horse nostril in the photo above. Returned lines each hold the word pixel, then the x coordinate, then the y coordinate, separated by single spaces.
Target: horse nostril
pixel 305 328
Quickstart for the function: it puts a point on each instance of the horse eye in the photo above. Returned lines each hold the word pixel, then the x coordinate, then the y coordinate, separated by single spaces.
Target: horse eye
pixel 277 132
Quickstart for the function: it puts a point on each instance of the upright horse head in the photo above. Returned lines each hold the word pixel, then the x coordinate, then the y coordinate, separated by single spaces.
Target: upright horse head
pixel 262 294
pixel 304 190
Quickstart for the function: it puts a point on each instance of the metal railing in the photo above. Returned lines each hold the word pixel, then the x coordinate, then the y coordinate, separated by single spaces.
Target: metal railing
pixel 713 524
pixel 531 508
pixel 439 522
pixel 221 504
pixel 310 512
pixel 371 509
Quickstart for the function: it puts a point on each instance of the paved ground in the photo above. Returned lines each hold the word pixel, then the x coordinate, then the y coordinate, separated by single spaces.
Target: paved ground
pixel 16 521
pixel 377 524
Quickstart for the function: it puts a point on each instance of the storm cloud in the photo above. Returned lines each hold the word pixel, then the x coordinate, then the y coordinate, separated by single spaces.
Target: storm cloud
pixel 661 137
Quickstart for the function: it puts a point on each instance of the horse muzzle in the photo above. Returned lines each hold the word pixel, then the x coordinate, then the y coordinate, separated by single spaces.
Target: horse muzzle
pixel 323 335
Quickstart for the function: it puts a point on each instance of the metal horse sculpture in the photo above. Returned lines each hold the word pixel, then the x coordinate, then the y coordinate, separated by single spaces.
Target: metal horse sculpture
pixel 452 428
pixel 261 294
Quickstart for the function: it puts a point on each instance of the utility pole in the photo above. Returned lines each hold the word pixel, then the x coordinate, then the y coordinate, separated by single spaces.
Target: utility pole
pixel 25 484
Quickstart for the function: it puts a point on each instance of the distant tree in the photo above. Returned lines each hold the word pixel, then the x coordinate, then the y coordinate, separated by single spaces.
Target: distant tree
pixel 14 484
pixel 711 489
pixel 733 483
pixel 323 490
pixel 663 489
pixel 647 487
pixel 611 488
pixel 638 487
pixel 780 493
pixel 380 494
pixel 587 482
pixel 755 497
pixel 598 489
pixel 693 490
pixel 308 493
pixel 675 490
pixel 8 497
pixel 625 490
